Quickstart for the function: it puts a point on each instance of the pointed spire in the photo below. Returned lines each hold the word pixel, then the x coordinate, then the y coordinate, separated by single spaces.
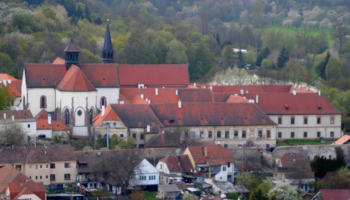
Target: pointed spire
pixel 71 47
pixel 107 51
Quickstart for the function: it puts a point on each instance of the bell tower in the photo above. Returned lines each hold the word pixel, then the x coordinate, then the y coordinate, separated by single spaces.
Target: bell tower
pixel 71 54
pixel 107 51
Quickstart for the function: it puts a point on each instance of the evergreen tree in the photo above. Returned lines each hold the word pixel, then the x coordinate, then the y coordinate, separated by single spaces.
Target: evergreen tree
pixel 260 195
pixel 240 58
pixel 218 38
pixel 321 67
pixel 79 13
pixel 252 196
pixel 282 58
pixel 88 13
pixel 262 55
pixel 70 7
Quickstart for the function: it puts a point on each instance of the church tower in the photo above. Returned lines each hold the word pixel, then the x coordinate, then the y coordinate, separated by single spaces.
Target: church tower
pixel 107 51
pixel 71 54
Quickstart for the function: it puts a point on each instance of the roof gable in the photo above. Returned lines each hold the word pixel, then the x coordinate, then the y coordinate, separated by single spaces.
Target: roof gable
pixel 20 114
pixel 332 194
pixel 44 75
pixel 58 60
pixel 215 155
pixel 19 189
pixel 236 99
pixel 110 115
pixel 179 163
pixel 10 175
pixel 75 80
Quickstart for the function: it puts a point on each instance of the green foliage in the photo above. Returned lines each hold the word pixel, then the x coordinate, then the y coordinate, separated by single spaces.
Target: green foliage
pixel 49 13
pixel 23 21
pixel 261 56
pixel 266 63
pixel 189 196
pixel 252 196
pixel 321 165
pixel 227 56
pixel 265 187
pixel 321 67
pixel 245 179
pixel 96 18
pixel 273 197
pixel 282 58
pixel 6 99
pixel 284 191
pixel 232 195
pixel 176 53
pixel 5 63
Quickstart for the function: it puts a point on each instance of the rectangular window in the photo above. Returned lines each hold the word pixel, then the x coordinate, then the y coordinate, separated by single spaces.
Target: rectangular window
pixel 66 176
pixel 41 166
pixel 218 134
pixel 28 125
pixel 318 134
pixel 30 177
pixel 19 167
pixel 36 166
pixel 66 165
pixel 332 134
pixel 142 136
pixel 141 146
pixel 134 135
pixel 236 134
pixel 228 165
pixel 268 134
pixel 292 134
pixel 244 134
pixel 47 177
pixel 318 120
pixel 186 134
pixel 224 169
pixel 260 133
pixel 36 177
pixel 52 177
pixel 332 120
pixel 152 178
pixel 305 134
pixel 280 120
pixel 330 157
pixel 41 177
pixel 143 178
pixel 30 167
pixel 210 134
pixel 227 134
pixel 292 120
pixel 279 134
pixel 47 166
pixel 201 134
pixel 52 165
pixel 305 120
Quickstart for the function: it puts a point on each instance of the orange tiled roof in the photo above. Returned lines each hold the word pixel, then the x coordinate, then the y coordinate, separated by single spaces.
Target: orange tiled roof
pixel 43 114
pixel 10 175
pixel 214 153
pixel 342 140
pixel 236 99
pixel 75 80
pixel 138 100
pixel 110 115
pixel 58 60
pixel 19 189
pixel 42 124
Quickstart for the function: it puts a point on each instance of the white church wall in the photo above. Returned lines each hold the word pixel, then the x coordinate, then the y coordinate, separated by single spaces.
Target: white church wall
pixel 34 95
pixel 111 94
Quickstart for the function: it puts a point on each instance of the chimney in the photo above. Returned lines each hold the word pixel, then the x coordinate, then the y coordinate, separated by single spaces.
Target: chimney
pixel 156 91
pixel 141 95
pixel 242 92
pixel 296 85
pixel 299 87
pixel 45 152
pixel 4 116
pixel 294 92
pixel 103 111
pixel 7 146
pixel 49 119
pixel 146 100
pixel 194 84
pixel 319 93
pixel 211 87
pixel 206 152
pixel 5 82
pixel 307 89
pixel 257 99
pixel 176 92
pixel 13 118
pixel 17 108
pixel 9 80
pixel 24 146
pixel 179 103
pixel 148 128
pixel 149 101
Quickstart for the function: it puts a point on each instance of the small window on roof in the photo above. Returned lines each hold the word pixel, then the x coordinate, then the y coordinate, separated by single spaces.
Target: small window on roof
pixel 171 121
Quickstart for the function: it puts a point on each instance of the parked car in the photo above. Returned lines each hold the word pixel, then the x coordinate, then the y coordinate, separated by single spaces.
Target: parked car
pixel 235 171
pixel 249 67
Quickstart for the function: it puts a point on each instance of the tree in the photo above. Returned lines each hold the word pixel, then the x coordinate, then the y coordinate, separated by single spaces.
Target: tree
pixel 218 39
pixel 6 99
pixel 321 165
pixel 284 191
pixel 321 66
pixel 189 196
pixel 332 69
pixel 160 49
pixel 240 58
pixel 232 76
pixel 282 58
pixel 23 20
pixel 260 195
pixel 176 53
pixel 340 33
pixel 273 197
pixel 336 180
pixel 245 179
pixel 180 137
pixel 265 187
pixel 100 194
pixel 252 196
pixel 258 14
pixel 5 63
pixel 262 55
pixel 136 195
pixel 227 56
pixel 12 132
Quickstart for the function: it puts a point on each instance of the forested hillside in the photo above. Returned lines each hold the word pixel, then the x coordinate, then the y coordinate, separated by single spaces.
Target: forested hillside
pixel 291 40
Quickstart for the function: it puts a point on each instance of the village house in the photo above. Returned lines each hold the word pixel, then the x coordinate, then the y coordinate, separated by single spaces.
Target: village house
pixel 332 194
pixel 23 117
pixel 8 174
pixel 14 86
pixel 48 128
pixel 26 190
pixel 53 164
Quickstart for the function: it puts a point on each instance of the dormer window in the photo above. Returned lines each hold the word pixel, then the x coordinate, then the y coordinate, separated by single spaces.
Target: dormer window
pixel 171 121
pixel 140 85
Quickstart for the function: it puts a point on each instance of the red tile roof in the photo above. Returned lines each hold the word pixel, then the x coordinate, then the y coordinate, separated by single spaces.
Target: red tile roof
pixel 75 80
pixel 342 140
pixel 101 75
pixel 335 194
pixel 236 99
pixel 165 95
pixel 58 60
pixel 71 47
pixel 211 114
pixel 20 114
pixel 42 124
pixel 15 86
pixel 298 164
pixel 19 189
pixel 213 152
pixel 110 115
pixel 158 75
pixel 43 114
pixel 300 89
pixel 195 95
pixel 44 75
pixel 138 100
pixel 287 104
pixel 179 163
pixel 10 175
pixel 7 77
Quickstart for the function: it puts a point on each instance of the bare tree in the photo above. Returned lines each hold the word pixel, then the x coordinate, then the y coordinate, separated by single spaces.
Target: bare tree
pixel 180 137
pixel 12 132
pixel 121 167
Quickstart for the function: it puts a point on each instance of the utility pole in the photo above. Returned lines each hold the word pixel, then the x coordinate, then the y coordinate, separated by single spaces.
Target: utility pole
pixel 107 135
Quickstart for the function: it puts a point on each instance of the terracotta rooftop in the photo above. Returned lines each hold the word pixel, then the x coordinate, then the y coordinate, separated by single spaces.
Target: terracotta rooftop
pixel 20 114
pixel 42 124
pixel 44 75
pixel 8 174
pixel 217 153
pixel 71 47
pixel 298 164
pixel 43 114
pixel 210 114
pixel 58 60
pixel 195 95
pixel 138 100
pixel 101 74
pixel 160 75
pixel 7 77
pixel 173 162
pixel 335 194
pixel 75 80
pixel 343 140
pixel 110 115
pixel 165 95
pixel 236 99
pixel 19 189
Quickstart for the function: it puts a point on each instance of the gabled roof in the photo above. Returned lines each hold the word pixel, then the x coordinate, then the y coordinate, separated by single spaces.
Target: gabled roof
pixel 218 153
pixel 43 124
pixel 165 95
pixel 101 75
pixel 236 99
pixel 71 47
pixel 10 175
pixel 58 60
pixel 157 75
pixel 110 115
pixel 19 189
pixel 54 153
pixel 7 77
pixel 221 97
pixel 75 81
pixel 211 114
pixel 20 114
pixel 173 163
pixel 298 164
pixel 342 140
pixel 136 115
pixel 44 75
pixel 195 95
pixel 338 194
pixel 43 114
pixel 15 88
pixel 138 100
pixel 287 104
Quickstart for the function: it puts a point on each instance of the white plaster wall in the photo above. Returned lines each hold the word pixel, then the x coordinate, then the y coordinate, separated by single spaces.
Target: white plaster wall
pixel 222 175
pixel 29 196
pixel 47 133
pixel 325 127
pixel 164 167
pixel 32 130
pixel 147 169
pixel 111 94
pixel 34 95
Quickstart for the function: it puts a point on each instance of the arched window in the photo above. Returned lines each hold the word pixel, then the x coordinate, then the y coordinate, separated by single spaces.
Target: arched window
pixel 103 101
pixel 43 103
pixel 67 117
pixel 91 115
